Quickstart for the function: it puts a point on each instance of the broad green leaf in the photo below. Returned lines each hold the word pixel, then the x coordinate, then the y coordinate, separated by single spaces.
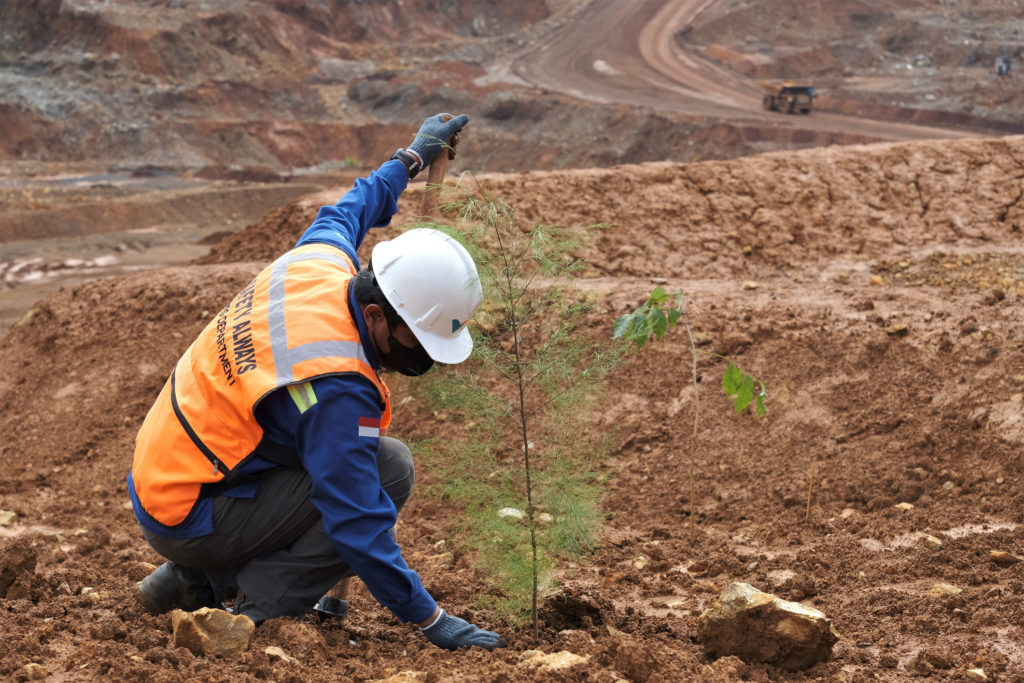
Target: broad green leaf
pixel 759 405
pixel 673 316
pixel 639 327
pixel 641 336
pixel 622 326
pixel 744 395
pixel 658 322
pixel 731 379
pixel 639 330
pixel 659 295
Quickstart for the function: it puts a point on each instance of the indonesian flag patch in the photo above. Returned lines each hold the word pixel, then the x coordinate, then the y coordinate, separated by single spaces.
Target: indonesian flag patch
pixel 369 426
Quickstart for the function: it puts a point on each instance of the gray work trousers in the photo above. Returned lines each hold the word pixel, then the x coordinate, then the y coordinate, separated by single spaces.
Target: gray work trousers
pixel 273 546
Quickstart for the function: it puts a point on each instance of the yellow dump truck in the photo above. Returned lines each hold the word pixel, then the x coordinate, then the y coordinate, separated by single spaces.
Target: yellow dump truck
pixel 789 97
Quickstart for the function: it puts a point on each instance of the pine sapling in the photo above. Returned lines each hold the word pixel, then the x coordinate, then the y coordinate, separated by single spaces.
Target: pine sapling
pixel 534 370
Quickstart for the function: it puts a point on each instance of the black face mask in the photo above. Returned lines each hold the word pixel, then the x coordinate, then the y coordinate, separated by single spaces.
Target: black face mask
pixel 411 361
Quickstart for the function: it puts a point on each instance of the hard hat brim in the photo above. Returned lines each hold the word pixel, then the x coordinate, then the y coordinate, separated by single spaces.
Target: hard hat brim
pixel 447 350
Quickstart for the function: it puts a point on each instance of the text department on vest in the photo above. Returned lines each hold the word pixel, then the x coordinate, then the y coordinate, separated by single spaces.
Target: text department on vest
pixel 260 472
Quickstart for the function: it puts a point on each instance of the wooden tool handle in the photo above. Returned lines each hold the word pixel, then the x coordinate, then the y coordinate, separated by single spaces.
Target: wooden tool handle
pixel 435 177
pixel 340 590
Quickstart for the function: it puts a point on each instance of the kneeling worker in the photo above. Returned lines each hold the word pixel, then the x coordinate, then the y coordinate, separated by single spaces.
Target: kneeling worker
pixel 261 472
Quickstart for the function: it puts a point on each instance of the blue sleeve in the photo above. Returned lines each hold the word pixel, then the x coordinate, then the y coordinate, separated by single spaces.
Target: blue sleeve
pixel 357 514
pixel 370 203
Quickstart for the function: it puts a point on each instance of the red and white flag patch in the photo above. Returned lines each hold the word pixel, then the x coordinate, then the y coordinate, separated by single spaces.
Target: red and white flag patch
pixel 369 426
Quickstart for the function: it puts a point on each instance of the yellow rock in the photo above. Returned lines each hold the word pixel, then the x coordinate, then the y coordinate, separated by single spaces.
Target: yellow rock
pixel 976 675
pixel 876 280
pixel 904 506
pixel 554 661
pixel 212 631
pixel 406 677
pixel 35 672
pixel 1001 557
pixel 274 652
pixel 941 589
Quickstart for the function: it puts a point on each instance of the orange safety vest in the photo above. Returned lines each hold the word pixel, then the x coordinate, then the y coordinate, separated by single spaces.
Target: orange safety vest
pixel 290 325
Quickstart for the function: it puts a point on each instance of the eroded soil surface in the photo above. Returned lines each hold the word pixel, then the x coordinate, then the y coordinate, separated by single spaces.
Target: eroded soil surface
pixel 876 290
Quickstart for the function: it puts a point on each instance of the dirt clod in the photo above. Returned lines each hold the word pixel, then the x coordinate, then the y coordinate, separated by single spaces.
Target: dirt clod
pixel 17 562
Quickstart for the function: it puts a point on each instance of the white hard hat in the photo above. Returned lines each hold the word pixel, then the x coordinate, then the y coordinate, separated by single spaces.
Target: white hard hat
pixel 431 281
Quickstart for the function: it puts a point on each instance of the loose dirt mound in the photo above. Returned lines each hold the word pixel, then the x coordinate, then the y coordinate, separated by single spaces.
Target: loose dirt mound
pixel 883 390
pixel 828 208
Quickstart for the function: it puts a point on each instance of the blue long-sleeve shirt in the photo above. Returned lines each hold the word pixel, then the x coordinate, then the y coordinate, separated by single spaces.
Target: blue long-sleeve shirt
pixel 341 458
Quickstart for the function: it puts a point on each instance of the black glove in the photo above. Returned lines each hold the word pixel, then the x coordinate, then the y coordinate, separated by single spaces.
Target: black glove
pixel 434 134
pixel 451 633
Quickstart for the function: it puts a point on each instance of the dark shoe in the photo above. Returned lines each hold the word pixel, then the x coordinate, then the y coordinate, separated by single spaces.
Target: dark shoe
pixel 246 607
pixel 172 586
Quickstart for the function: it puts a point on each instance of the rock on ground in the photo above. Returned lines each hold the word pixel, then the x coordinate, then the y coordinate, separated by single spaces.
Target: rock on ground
pixel 212 631
pixel 759 627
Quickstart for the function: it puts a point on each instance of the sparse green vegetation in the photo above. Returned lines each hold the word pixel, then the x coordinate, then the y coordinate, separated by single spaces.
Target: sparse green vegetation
pixel 521 463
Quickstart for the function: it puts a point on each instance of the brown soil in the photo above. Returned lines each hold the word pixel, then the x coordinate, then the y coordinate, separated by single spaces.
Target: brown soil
pixel 875 289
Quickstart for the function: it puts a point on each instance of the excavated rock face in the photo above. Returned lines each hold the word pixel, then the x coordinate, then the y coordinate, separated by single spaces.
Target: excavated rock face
pixel 208 84
pixel 759 627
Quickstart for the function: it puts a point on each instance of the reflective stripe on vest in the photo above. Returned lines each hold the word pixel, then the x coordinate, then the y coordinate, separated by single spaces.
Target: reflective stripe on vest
pixel 289 325
pixel 303 395
pixel 285 358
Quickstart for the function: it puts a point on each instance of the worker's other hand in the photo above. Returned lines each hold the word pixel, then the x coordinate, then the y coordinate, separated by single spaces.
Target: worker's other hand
pixel 434 134
pixel 451 633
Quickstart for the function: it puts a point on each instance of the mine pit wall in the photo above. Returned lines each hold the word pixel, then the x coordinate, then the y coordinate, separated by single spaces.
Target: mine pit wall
pixel 752 216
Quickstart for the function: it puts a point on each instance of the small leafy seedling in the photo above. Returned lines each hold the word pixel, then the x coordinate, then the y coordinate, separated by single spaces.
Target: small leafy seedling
pixel 739 386
pixel 654 317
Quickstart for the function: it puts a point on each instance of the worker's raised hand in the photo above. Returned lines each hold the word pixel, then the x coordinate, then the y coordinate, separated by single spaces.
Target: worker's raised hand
pixel 451 633
pixel 434 135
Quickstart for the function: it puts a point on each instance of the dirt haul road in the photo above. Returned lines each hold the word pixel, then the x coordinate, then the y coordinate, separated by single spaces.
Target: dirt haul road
pixel 625 51
pixel 876 290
